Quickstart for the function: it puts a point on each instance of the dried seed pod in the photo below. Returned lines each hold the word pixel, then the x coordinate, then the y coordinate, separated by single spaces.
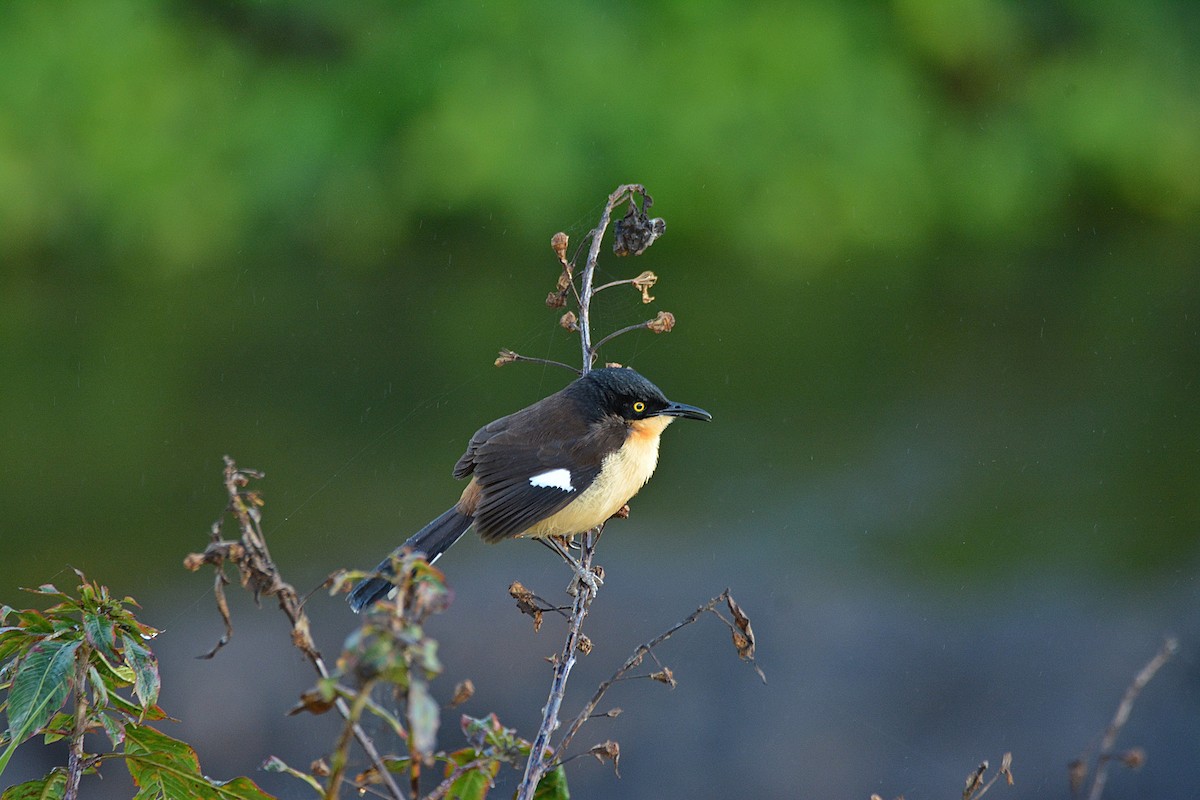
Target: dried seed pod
pixel 663 323
pixel 558 243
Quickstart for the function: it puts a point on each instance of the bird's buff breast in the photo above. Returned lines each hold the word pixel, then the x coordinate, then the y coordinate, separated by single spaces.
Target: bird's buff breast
pixel 622 474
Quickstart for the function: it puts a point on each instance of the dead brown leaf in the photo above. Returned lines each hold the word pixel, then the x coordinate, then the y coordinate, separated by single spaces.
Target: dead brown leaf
pixel 608 751
pixel 526 603
pixel 313 702
pixel 743 636
pixel 664 675
pixel 463 692
pixel 974 780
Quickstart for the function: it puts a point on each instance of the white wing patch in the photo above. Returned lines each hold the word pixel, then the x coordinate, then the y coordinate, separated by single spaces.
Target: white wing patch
pixel 554 479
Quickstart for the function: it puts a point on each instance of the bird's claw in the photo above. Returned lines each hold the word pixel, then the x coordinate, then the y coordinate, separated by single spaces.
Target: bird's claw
pixel 592 579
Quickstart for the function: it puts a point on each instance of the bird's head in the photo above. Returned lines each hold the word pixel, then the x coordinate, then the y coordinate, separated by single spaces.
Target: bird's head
pixel 622 392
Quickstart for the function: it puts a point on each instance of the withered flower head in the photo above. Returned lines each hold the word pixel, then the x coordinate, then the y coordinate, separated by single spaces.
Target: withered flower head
pixel 643 282
pixel 636 231
pixel 663 323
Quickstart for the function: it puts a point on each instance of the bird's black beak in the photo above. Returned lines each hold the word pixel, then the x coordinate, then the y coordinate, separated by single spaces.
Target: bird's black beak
pixel 684 410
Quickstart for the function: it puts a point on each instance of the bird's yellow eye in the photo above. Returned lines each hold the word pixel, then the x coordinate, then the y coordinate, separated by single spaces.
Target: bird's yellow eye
pixel 639 406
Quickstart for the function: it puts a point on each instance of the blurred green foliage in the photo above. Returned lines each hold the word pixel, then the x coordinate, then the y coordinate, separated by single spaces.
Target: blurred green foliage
pixel 943 250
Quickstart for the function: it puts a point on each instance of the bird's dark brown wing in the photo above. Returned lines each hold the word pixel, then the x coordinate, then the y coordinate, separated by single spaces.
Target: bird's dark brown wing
pixel 511 499
pixel 466 462
pixel 531 464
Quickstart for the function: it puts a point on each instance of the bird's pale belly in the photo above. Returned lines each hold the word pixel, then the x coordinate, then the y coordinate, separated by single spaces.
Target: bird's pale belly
pixel 621 476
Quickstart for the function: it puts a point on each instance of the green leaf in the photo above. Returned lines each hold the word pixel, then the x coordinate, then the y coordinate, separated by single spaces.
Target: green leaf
pixel 59 727
pixel 471 785
pixel 114 727
pixel 31 621
pixel 474 783
pixel 115 676
pixel 100 633
pixel 87 591
pixel 12 641
pixel 50 787
pixel 425 656
pixel 486 733
pixel 398 764
pixel 423 719
pixel 166 769
pixel 99 689
pixel 50 590
pixel 134 711
pixel 39 688
pixel 553 786
pixel 145 668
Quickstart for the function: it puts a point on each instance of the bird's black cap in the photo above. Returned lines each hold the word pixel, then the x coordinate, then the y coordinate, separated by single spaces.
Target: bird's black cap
pixel 619 390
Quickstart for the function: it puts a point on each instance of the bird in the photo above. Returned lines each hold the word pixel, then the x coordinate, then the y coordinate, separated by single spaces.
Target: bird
pixel 557 468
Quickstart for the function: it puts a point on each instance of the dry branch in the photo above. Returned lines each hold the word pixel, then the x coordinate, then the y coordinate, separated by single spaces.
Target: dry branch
pixel 1077 770
pixel 259 574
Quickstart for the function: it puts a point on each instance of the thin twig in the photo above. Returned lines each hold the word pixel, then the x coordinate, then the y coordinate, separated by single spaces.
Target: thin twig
pixel 615 334
pixel 548 362
pixel 976 788
pixel 1144 676
pixel 611 284
pixel 509 355
pixel 629 664
pixel 621 194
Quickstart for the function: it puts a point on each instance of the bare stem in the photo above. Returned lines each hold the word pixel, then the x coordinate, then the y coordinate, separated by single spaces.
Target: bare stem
pixel 540 757
pixel 75 760
pixel 1144 676
pixel 621 194
pixel 341 749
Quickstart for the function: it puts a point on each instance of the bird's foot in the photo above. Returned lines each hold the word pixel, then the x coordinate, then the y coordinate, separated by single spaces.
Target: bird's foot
pixel 590 579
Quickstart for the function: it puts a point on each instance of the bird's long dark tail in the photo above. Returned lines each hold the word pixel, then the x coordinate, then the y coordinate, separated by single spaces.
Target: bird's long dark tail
pixel 432 540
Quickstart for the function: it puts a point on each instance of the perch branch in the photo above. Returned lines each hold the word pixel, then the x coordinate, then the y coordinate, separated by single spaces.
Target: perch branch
pixel 540 756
